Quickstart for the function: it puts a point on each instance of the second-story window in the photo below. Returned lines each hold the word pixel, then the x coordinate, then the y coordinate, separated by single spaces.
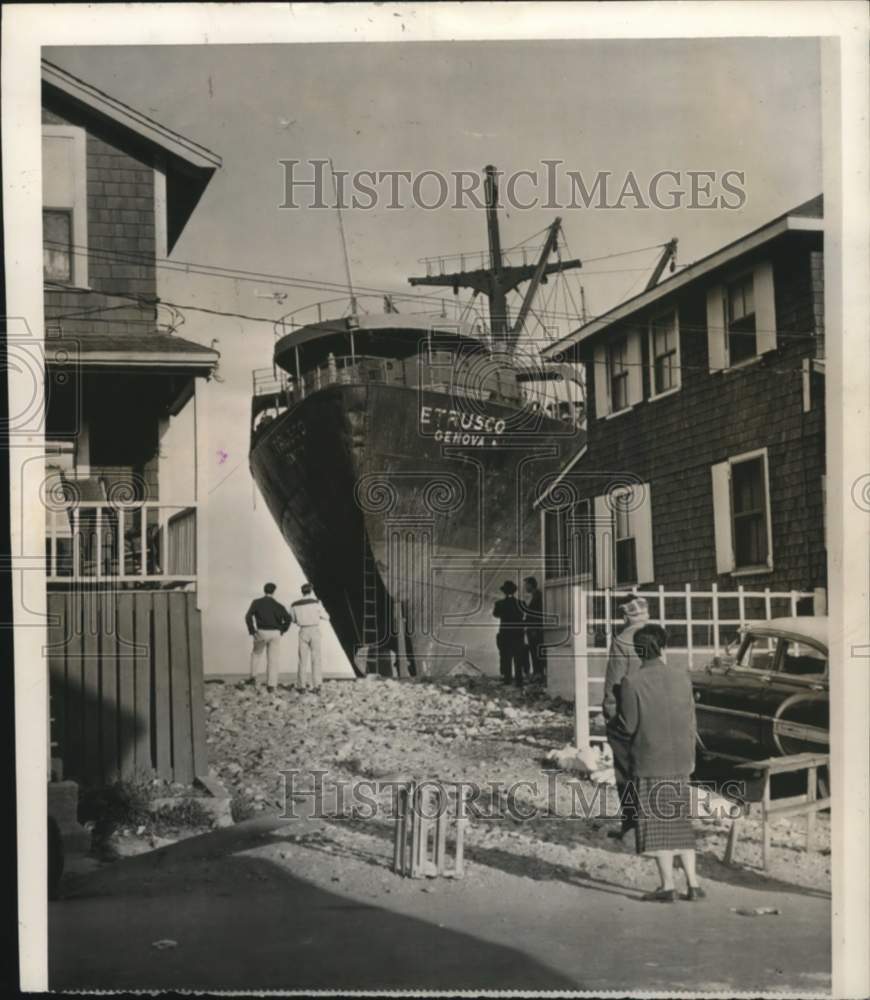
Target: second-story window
pixel 742 343
pixel 664 354
pixel 57 245
pixel 64 203
pixel 617 373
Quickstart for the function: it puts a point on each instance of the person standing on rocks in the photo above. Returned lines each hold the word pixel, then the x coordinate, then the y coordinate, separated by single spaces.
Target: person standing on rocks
pixel 308 613
pixel 533 604
pixel 267 621
pixel 621 662
pixel 510 638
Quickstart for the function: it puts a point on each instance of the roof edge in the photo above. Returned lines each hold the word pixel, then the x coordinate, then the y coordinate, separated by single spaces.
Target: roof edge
pixel 180 146
pixel 788 222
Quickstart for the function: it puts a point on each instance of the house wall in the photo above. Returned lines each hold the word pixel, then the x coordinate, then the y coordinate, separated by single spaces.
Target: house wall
pixel 671 443
pixel 120 221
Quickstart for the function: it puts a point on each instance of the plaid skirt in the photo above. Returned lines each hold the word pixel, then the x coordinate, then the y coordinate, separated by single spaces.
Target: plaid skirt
pixel 664 820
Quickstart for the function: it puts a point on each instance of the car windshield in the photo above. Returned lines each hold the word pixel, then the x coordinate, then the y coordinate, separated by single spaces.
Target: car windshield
pixel 758 652
pixel 802 658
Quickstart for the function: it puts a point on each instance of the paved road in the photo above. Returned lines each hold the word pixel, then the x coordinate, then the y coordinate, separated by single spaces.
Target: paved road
pixel 245 919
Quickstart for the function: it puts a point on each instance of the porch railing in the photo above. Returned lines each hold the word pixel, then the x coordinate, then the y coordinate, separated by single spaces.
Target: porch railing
pixel 142 542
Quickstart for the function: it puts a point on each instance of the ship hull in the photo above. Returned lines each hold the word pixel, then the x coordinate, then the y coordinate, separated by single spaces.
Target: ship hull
pixel 407 512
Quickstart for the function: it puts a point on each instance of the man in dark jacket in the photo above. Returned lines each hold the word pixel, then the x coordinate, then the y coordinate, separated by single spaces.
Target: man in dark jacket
pixel 534 621
pixel 510 637
pixel 267 621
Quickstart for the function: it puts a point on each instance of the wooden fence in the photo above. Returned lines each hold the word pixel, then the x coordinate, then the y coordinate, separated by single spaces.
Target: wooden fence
pixel 700 624
pixel 126 685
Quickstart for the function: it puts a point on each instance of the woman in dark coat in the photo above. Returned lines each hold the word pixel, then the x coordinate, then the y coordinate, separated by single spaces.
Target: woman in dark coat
pixel 658 711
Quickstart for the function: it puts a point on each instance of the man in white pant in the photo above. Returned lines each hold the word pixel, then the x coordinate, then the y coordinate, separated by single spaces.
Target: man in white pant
pixel 267 621
pixel 308 613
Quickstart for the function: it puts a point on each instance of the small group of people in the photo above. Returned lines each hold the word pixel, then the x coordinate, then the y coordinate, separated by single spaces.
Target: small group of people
pixel 268 620
pixel 649 710
pixel 520 637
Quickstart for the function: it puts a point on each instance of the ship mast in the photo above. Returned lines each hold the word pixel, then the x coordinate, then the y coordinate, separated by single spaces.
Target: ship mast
pixel 498 279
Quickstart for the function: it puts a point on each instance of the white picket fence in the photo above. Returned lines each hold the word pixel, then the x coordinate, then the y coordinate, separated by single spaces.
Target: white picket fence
pixel 700 625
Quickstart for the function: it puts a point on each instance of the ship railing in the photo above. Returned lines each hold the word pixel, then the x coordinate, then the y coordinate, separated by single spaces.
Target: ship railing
pixel 474 260
pixel 441 310
pixel 120 542
pixel 275 392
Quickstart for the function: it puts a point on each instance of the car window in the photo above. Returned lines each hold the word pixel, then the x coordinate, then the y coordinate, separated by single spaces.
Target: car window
pixel 801 658
pixel 758 652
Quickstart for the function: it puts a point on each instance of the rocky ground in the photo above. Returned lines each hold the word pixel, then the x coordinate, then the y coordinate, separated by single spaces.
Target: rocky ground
pixel 473 731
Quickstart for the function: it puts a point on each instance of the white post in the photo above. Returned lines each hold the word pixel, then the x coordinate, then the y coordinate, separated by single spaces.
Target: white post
pixel 689 625
pixel 581 668
pixel 99 572
pixel 77 559
pixel 202 465
pixel 820 601
pixel 767 609
pixel 662 605
pixel 741 606
pixel 793 601
pixel 120 543
pixel 715 591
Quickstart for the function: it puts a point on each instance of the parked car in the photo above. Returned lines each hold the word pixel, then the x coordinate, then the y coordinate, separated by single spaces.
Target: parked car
pixel 768 696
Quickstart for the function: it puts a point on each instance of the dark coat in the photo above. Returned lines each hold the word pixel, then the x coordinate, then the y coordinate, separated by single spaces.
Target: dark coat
pixel 534 612
pixel 509 612
pixel 265 612
pixel 658 711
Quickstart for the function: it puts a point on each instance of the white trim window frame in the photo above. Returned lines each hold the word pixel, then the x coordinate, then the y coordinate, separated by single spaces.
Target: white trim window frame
pixel 744 512
pixel 671 371
pixel 624 546
pixel 740 319
pixel 65 189
pixel 618 376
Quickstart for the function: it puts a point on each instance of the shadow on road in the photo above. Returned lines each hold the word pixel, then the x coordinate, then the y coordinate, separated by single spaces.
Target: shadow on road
pixel 243 922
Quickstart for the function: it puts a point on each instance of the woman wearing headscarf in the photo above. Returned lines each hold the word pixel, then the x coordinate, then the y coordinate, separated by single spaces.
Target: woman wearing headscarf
pixel 658 711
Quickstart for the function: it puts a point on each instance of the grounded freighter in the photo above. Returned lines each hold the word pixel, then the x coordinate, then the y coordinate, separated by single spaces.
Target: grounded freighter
pixel 401 452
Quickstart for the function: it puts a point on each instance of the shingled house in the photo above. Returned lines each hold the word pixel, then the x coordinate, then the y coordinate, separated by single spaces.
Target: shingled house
pixel 704 463
pixel 125 427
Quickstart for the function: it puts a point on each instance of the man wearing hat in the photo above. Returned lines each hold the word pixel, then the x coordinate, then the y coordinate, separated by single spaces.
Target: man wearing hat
pixel 622 661
pixel 510 639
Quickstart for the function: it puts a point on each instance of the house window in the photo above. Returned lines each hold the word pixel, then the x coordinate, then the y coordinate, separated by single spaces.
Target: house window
pixel 749 506
pixel 555 544
pixel 623 554
pixel 569 541
pixel 625 550
pixel 57 245
pixel 742 342
pixel 617 373
pixel 64 201
pixel 664 354
pixel 741 514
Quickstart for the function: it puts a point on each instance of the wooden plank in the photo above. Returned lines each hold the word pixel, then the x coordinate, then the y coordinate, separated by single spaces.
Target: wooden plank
pixel 179 671
pixel 126 684
pixel 92 765
pixel 109 719
pixel 733 839
pixel 56 673
pixel 799 808
pixel 197 686
pixel 142 629
pixel 162 720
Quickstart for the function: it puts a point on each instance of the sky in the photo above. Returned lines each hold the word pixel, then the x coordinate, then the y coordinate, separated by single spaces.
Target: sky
pixel 751 105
